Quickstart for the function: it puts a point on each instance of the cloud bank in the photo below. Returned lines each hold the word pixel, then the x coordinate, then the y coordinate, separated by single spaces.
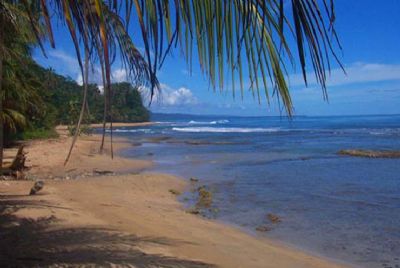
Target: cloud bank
pixel 355 73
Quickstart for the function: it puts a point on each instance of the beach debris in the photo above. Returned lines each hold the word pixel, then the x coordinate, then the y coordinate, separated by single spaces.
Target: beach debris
pixel 102 172
pixel 193 179
pixel 273 218
pixel 263 228
pixel 174 192
pixel 36 187
pixel 370 153
pixel 205 197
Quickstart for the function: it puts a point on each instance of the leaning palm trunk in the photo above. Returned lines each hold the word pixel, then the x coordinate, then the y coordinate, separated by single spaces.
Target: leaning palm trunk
pixel 105 98
pixel 85 78
pixel 104 113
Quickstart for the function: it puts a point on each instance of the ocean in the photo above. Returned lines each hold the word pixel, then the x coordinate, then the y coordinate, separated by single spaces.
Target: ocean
pixel 341 207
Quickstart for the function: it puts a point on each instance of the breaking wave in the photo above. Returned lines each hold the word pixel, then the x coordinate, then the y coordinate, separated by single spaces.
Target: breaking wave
pixel 223 121
pixel 224 129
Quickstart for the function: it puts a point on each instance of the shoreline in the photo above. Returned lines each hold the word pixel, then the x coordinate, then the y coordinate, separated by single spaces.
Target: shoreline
pixel 134 204
pixel 121 124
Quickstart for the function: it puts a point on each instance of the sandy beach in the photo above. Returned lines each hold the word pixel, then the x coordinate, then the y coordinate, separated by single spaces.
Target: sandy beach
pixel 124 218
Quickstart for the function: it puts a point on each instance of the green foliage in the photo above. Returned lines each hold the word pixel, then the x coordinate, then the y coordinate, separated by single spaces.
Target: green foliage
pixel 63 98
pixel 124 98
pixel 39 133
pixel 47 99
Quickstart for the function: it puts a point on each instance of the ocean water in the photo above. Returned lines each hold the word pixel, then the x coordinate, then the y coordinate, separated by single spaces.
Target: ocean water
pixel 341 207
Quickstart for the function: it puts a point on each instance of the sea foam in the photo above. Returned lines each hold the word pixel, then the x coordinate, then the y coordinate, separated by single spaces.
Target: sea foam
pixel 224 129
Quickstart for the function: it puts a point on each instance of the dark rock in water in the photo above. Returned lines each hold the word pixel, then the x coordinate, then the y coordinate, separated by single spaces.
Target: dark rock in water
pixel 135 144
pixel 192 179
pixel 205 197
pixel 36 187
pixel 370 153
pixel 193 211
pixel 263 228
pixel 273 218
pixel 157 139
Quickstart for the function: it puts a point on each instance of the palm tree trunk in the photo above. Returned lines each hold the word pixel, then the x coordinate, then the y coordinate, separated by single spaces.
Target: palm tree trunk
pixel 85 78
pixel 1 93
pixel 105 105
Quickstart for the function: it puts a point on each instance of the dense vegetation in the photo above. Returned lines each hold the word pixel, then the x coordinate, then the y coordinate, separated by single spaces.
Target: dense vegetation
pixel 55 99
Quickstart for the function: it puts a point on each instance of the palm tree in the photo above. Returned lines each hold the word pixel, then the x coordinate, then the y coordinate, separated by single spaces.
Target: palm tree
pixel 227 36
pixel 16 39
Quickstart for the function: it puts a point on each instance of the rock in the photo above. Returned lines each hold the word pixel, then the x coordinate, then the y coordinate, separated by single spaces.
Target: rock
pixel 192 179
pixel 273 218
pixel 370 153
pixel 263 228
pixel 102 172
pixel 174 192
pixel 36 187
pixel 205 197
pixel 193 211
pixel 215 210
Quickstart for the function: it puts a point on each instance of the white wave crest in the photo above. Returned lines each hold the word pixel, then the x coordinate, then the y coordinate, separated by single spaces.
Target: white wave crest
pixel 145 130
pixel 224 130
pixel 222 121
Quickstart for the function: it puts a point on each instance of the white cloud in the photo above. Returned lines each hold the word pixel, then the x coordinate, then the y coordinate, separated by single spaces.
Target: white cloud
pixel 169 96
pixel 117 76
pixel 71 63
pixel 356 73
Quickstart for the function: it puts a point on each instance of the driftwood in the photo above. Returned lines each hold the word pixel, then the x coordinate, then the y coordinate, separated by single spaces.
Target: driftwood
pixel 17 164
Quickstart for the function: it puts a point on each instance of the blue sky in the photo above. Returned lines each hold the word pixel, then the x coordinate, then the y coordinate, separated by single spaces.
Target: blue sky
pixel 369 34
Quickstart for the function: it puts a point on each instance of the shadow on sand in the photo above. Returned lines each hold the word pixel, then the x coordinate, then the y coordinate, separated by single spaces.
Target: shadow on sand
pixel 37 243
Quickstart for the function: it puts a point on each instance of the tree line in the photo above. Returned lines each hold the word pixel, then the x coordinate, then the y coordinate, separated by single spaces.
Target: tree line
pixel 51 99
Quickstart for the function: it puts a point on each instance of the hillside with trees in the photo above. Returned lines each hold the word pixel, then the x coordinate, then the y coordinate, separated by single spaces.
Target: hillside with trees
pixel 53 99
